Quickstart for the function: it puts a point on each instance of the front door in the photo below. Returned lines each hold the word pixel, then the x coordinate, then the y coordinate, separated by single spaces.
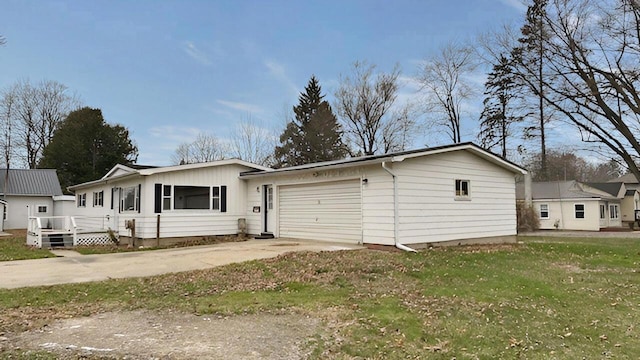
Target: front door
pixel 269 215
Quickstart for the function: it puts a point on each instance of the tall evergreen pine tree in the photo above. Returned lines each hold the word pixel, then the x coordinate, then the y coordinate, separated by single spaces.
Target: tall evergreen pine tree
pixel 314 135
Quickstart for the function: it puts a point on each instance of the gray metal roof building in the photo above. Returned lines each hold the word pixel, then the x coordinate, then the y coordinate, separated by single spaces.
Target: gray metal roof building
pixel 30 182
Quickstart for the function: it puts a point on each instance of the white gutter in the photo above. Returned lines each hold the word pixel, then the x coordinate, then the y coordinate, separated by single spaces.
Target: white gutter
pixel 396 215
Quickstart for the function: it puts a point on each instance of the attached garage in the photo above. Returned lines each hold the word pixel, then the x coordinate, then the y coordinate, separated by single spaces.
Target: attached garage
pixel 446 194
pixel 321 211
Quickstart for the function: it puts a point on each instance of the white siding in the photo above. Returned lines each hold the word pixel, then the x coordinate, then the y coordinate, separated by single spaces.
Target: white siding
pixel 430 211
pixel 20 207
pixel 562 213
pixel 314 178
pixel 377 206
pixel 173 223
pixel 323 211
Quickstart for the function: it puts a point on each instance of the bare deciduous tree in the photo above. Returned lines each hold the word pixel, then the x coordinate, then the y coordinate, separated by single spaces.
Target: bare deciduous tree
pixel 592 51
pixel 253 143
pixel 443 79
pixel 205 148
pixel 36 111
pixel 364 102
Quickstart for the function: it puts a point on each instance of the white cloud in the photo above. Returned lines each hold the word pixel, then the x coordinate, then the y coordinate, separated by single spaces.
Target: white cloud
pixel 195 53
pixel 279 72
pixel 250 108
pixel 174 135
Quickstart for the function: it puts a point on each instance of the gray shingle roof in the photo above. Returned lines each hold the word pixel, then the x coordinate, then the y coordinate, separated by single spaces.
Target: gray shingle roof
pixel 555 190
pixel 611 188
pixel 30 182
pixel 627 178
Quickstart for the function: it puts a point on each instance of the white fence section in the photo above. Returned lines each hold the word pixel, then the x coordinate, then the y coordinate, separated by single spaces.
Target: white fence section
pixel 82 230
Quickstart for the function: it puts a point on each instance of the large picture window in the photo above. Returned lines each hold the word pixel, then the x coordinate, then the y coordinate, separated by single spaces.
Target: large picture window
pixel 191 197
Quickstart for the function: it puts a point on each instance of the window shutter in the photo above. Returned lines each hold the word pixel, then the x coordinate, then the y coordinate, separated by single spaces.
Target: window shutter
pixel 112 193
pixel 138 199
pixel 223 198
pixel 120 200
pixel 158 199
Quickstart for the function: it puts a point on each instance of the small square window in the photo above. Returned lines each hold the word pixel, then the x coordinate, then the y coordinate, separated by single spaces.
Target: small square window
pixel 544 211
pixel 462 188
pixel 579 211
pixel 42 209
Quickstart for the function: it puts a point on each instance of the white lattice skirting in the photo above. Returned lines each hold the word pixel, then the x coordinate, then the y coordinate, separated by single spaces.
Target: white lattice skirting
pixel 93 239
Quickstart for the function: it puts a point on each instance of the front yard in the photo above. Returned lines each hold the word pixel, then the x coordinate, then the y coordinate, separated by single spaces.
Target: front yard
pixel 543 299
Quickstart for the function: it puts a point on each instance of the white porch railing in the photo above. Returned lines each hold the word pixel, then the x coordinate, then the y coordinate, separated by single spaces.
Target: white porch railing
pixel 83 230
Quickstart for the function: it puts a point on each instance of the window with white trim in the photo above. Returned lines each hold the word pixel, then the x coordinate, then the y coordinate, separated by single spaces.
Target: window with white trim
pixel 463 189
pixel 98 198
pixel 191 198
pixel 544 211
pixel 129 200
pixel 166 197
pixel 215 198
pixel 579 211
pixel 614 211
pixel 603 212
pixel 42 209
pixel 81 200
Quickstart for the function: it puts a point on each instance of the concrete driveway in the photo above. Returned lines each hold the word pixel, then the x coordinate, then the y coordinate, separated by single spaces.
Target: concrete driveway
pixel 76 268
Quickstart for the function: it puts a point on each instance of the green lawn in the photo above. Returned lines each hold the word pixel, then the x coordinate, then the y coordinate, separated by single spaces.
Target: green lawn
pixel 552 298
pixel 15 248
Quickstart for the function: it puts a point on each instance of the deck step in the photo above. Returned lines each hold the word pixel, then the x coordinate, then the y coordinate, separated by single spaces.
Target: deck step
pixel 264 235
pixel 57 240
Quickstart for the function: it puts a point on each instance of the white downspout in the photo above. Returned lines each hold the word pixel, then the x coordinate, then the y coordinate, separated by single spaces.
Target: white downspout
pixel 396 214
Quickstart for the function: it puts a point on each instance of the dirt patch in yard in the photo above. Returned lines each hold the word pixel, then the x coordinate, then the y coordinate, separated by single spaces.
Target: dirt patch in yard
pixel 171 335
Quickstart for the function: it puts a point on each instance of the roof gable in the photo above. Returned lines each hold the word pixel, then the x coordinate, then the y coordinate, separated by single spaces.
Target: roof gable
pixel 30 182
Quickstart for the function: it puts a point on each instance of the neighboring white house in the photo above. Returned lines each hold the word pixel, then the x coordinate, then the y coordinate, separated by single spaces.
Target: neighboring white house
pixel 27 192
pixel 3 207
pixel 445 194
pixel 572 205
pixel 631 202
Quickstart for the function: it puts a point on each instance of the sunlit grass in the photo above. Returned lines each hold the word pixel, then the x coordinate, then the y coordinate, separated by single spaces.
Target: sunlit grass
pixel 541 299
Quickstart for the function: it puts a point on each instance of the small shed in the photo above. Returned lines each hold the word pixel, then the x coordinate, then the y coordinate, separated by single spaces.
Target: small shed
pixel 27 192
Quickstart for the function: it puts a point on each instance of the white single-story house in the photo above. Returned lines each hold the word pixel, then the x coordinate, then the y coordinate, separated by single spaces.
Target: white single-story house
pixel 435 195
pixel 572 205
pixel 631 202
pixel 28 192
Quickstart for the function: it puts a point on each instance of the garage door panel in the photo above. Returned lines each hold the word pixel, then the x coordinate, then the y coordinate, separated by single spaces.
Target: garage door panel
pixel 323 211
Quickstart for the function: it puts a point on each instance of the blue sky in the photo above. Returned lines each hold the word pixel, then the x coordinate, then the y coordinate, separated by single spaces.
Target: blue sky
pixel 168 70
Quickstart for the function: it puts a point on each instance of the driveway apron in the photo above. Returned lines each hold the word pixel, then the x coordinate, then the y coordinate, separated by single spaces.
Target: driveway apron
pixel 85 268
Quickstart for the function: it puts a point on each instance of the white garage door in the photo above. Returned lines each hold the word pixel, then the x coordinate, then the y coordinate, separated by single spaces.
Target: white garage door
pixel 325 211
